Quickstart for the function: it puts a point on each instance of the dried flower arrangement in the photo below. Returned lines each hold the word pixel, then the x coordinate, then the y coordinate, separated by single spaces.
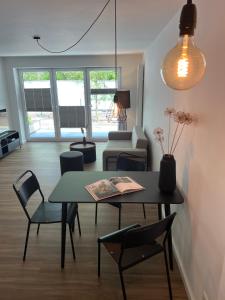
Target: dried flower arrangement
pixel 182 119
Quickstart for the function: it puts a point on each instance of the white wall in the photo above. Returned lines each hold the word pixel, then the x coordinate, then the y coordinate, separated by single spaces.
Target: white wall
pixel 128 63
pixel 199 226
pixel 3 90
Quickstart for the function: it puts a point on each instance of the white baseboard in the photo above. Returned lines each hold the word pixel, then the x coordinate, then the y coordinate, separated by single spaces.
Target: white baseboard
pixel 183 273
pixel 181 268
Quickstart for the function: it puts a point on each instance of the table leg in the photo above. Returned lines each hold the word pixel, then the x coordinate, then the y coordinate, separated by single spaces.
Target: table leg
pixel 63 234
pixel 160 212
pixel 170 248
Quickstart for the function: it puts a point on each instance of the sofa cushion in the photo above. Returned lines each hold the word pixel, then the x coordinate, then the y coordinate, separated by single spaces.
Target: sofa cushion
pixel 139 139
pixel 119 144
pixel 119 135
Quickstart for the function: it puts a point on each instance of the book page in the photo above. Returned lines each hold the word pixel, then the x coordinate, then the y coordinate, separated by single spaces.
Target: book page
pixel 102 189
pixel 125 184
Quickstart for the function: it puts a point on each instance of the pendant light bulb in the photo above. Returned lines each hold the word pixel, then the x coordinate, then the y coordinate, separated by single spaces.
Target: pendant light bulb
pixel 184 65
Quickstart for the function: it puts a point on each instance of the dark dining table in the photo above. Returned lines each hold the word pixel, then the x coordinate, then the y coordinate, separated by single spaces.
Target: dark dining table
pixel 71 189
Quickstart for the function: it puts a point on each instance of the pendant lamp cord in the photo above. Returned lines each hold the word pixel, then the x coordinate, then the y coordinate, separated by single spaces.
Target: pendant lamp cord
pixel 37 38
pixel 115 23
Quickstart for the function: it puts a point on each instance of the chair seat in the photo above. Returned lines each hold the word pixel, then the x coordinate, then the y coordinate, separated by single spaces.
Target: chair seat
pixel 132 256
pixel 47 213
pixel 52 213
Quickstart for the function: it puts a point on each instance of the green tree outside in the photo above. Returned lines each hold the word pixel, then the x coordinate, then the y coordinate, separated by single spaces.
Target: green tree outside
pixel 96 77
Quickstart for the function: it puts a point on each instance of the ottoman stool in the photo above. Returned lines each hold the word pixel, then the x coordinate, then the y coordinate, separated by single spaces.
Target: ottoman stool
pixel 71 161
pixel 88 149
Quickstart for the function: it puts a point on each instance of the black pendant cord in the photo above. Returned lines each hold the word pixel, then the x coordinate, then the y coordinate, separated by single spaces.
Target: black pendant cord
pixel 115 23
pixel 37 38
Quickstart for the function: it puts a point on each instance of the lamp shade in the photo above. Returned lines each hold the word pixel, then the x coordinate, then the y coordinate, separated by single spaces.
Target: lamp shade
pixel 122 98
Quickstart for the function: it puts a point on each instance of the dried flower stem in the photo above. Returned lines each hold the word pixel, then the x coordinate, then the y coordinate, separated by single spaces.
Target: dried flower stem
pixel 161 145
pixel 181 118
pixel 169 134
pixel 172 151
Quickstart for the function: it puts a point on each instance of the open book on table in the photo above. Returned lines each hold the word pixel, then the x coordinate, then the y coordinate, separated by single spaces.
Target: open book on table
pixel 107 188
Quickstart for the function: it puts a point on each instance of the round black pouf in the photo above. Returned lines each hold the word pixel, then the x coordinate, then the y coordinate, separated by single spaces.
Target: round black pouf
pixel 71 161
pixel 88 150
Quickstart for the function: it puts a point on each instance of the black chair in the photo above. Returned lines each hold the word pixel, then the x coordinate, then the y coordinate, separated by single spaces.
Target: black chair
pixel 46 213
pixel 126 162
pixel 72 161
pixel 134 244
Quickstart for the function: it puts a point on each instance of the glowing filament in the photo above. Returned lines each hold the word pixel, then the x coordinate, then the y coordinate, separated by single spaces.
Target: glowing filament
pixel 182 70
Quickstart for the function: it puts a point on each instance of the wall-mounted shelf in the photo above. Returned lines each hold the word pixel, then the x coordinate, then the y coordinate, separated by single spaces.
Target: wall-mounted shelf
pixel 9 141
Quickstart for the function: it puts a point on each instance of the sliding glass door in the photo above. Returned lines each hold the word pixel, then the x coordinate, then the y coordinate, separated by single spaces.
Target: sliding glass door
pixel 102 90
pixel 58 103
pixel 71 103
pixel 39 117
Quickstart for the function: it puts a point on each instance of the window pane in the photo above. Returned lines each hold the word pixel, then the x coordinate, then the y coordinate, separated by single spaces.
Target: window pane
pixel 40 124
pixel 70 88
pixel 36 80
pixel 101 114
pixel 102 79
pixel 71 99
pixel 37 92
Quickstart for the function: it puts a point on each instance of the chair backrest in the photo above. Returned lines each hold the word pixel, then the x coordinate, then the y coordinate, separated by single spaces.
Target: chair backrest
pixel 147 234
pixel 129 162
pixel 25 186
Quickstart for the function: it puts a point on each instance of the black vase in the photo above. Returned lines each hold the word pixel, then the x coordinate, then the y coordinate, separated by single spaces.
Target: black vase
pixel 167 174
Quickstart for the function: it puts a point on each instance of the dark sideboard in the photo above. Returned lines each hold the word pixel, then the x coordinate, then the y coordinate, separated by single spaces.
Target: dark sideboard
pixel 9 141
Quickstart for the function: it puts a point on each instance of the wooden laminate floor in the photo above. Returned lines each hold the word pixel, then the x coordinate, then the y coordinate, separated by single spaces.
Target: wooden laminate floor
pixel 40 277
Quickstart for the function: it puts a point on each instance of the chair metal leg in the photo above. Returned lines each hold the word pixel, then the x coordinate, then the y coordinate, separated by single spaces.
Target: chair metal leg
pixel 73 226
pixel 170 246
pixel 119 224
pixel 26 242
pixel 159 212
pixel 99 258
pixel 144 210
pixel 73 223
pixel 78 222
pixel 96 213
pixel 63 233
pixel 38 228
pixel 122 285
pixel 71 239
pixel 168 274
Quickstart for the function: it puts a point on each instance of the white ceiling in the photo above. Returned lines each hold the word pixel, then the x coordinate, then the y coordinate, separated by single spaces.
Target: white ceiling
pixel 62 22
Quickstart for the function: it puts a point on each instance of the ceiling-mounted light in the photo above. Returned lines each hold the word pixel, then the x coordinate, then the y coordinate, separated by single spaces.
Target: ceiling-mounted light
pixel 184 66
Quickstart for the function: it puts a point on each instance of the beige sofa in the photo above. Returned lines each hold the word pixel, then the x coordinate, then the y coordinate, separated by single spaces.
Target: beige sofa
pixel 132 142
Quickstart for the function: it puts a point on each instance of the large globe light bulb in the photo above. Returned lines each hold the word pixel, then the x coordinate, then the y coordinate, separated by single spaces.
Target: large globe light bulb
pixel 184 66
